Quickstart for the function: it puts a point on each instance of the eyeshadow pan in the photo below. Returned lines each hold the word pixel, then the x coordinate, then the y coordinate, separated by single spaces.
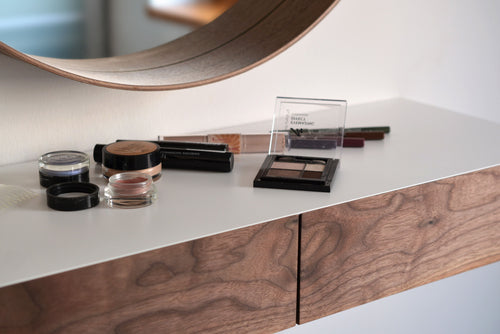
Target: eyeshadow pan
pixel 288 165
pixel 315 167
pixel 283 173
pixel 312 175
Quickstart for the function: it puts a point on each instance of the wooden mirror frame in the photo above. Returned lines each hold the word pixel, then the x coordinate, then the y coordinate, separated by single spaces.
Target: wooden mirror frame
pixel 248 34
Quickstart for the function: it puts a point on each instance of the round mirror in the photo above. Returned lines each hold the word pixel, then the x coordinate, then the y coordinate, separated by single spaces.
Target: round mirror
pixel 247 33
pixel 82 29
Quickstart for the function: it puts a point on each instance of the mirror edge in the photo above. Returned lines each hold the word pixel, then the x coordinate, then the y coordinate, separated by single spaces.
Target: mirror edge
pixel 301 15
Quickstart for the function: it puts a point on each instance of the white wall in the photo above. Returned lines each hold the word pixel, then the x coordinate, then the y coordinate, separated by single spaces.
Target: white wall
pixel 441 52
pixel 450 54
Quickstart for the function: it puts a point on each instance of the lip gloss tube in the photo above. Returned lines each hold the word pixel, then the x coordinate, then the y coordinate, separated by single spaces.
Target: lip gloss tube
pixel 237 143
pixel 189 145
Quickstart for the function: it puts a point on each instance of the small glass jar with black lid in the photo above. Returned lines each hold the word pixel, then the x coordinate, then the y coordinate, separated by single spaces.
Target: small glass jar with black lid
pixel 63 166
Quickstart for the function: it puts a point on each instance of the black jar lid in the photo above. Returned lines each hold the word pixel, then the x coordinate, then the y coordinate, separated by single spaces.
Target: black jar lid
pixel 84 196
pixel 131 155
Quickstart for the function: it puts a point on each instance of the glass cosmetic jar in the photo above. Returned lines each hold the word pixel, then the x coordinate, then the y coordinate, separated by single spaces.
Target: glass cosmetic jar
pixel 130 190
pixel 63 166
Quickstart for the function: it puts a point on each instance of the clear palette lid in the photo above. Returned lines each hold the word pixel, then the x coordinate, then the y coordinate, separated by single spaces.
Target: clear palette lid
pixel 312 127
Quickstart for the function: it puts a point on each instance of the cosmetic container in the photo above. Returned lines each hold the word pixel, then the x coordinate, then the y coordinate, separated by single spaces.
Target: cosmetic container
pixel 130 190
pixel 315 129
pixel 63 166
pixel 184 155
pixel 132 156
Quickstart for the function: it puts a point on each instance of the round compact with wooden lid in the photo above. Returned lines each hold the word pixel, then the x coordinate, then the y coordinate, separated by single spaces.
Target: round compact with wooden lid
pixel 132 155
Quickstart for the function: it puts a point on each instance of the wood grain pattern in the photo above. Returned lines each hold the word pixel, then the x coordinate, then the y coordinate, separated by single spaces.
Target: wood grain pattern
pixel 242 281
pixel 248 34
pixel 371 248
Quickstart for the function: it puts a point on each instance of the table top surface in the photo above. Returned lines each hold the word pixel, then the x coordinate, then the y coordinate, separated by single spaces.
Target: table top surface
pixel 425 144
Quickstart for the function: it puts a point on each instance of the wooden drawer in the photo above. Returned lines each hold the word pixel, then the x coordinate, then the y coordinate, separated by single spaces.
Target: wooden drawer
pixel 367 249
pixel 242 281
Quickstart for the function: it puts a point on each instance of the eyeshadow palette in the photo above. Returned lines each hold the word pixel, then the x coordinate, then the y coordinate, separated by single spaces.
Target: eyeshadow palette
pixel 296 172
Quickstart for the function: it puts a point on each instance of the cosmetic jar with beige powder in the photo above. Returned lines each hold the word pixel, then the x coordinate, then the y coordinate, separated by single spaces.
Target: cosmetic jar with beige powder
pixel 128 156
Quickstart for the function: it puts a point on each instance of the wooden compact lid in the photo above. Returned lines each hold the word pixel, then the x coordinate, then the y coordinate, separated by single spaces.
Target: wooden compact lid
pixel 131 155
